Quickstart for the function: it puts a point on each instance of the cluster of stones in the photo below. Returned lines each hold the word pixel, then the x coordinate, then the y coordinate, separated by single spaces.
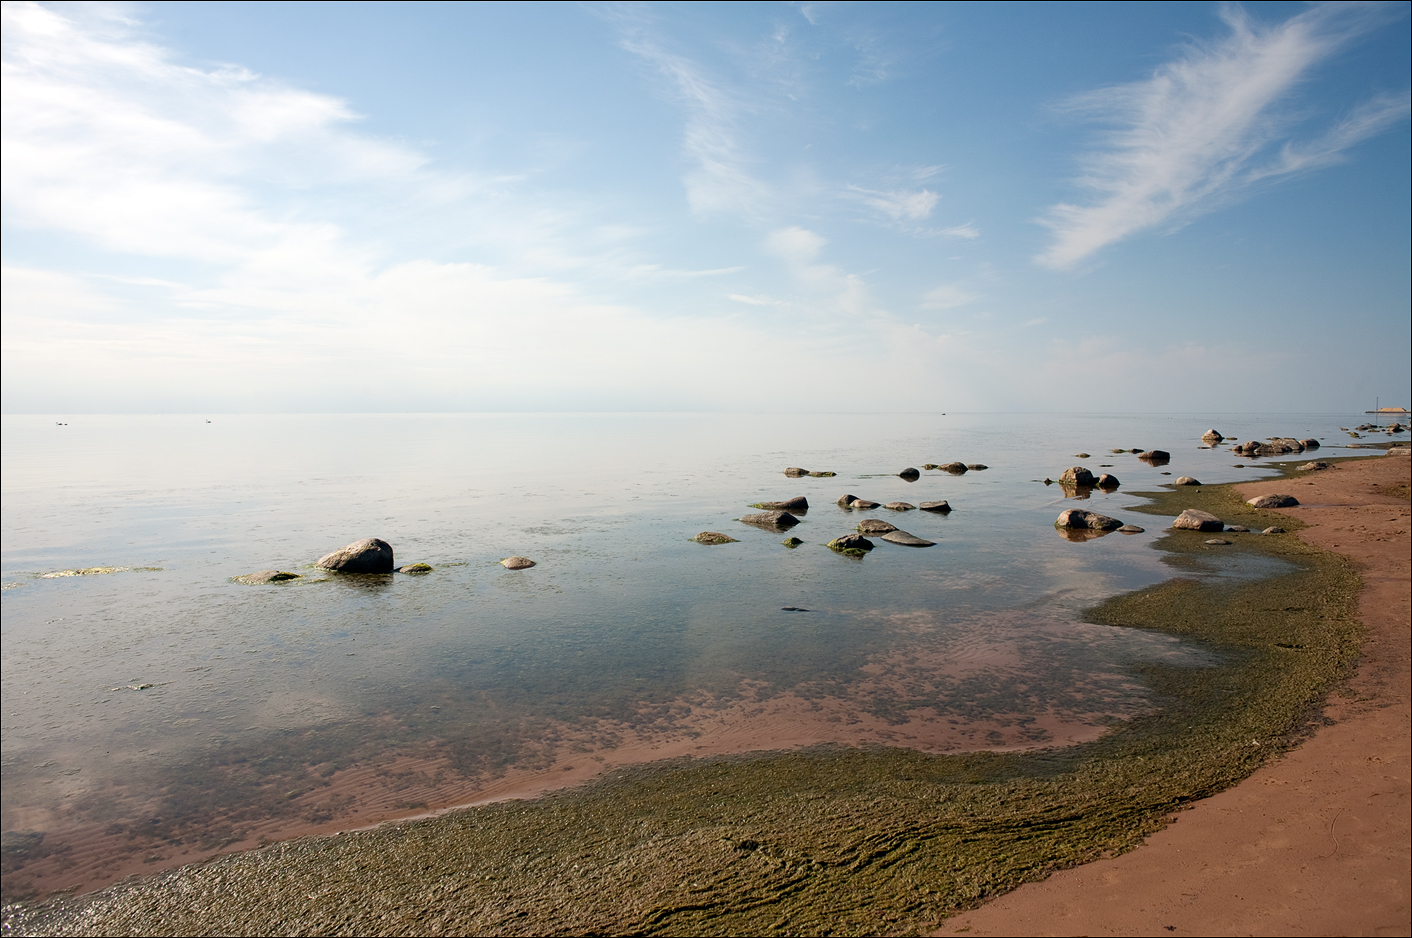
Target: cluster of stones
pixel 794 472
pixel 1374 428
pixel 1276 446
pixel 955 468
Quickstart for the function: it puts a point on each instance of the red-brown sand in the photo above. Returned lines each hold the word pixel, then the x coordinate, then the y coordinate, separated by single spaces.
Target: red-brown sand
pixel 1314 844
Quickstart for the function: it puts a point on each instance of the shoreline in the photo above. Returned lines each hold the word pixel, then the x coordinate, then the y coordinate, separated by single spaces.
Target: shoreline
pixel 1314 843
pixel 857 773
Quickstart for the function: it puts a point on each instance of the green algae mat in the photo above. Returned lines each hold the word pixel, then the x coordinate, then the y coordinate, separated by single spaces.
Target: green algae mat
pixel 830 841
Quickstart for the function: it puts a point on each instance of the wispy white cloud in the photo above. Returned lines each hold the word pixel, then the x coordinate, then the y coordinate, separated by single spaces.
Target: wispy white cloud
pixel 1198 132
pixel 718 180
pixel 898 204
pixel 948 296
pixel 755 300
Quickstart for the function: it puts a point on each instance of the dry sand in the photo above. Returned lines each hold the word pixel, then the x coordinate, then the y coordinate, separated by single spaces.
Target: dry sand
pixel 1314 844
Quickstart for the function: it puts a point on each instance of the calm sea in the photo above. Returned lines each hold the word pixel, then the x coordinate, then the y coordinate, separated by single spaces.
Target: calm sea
pixel 158 711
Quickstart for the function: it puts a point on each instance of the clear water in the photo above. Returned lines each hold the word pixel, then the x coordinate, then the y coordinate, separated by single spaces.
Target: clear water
pixel 165 700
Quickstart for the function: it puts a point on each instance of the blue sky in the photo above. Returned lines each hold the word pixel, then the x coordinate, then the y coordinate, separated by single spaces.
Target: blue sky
pixel 743 207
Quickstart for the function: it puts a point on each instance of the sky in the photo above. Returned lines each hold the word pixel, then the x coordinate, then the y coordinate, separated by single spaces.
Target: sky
pixel 743 207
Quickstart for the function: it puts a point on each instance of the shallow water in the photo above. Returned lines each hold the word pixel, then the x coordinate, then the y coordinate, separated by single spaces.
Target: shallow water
pixel 160 708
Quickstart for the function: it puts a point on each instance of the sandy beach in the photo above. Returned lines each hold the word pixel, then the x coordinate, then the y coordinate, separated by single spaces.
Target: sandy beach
pixel 1316 843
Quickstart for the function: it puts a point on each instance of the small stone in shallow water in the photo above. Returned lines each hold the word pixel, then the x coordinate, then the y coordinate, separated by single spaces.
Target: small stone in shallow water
pixel 862 504
pixel 415 568
pixel 1185 480
pixel 771 519
pixel 793 609
pixel 1081 456
pixel 910 474
pixel 791 542
pixel 712 537
pixel 1131 529
pixel 899 506
pixel 1274 530
pixel 907 540
pixel 517 563
pixel 875 526
pixel 977 466
pixel 1216 541
pixel 797 503
pixel 940 507
pixel 851 544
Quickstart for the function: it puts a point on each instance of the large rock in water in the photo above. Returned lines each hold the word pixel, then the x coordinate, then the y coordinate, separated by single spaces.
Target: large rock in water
pixel 940 507
pixel 1194 519
pixel 955 468
pixel 1157 457
pixel 875 526
pixel 771 519
pixel 1077 475
pixel 1212 436
pixel 370 555
pixel 910 474
pixel 845 500
pixel 1273 501
pixel 714 537
pixel 794 472
pixel 862 504
pixel 1086 520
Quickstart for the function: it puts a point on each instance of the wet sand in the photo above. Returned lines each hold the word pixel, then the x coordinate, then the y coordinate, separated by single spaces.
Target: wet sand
pixel 413 786
pixel 1316 843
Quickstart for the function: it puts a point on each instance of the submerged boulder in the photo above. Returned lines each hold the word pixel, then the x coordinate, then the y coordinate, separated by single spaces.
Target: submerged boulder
pixel 791 542
pixel 795 472
pixel 1131 529
pixel 875 526
pixel 262 577
pixel 904 539
pixel 1273 501
pixel 714 537
pixel 771 519
pixel 1079 518
pixel 370 555
pixel 1194 519
pixel 415 568
pixel 977 466
pixel 823 475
